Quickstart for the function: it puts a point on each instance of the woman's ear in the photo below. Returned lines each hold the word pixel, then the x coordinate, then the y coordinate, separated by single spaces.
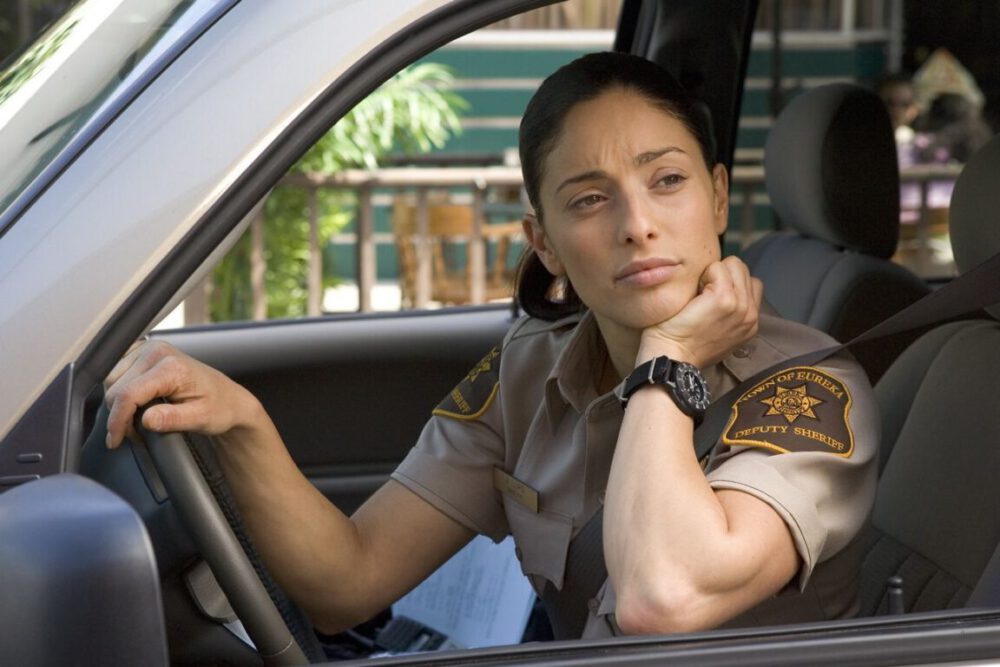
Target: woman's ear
pixel 539 241
pixel 720 186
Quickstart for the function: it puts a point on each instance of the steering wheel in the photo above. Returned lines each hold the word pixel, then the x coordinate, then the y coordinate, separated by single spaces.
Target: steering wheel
pixel 210 531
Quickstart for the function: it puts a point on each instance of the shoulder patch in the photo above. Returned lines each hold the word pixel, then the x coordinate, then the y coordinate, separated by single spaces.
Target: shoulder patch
pixel 474 394
pixel 800 409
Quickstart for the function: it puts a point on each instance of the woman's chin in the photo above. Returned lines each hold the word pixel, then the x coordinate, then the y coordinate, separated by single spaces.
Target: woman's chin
pixel 644 315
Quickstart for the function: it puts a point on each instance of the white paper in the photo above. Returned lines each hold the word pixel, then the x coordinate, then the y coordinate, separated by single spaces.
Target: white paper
pixel 478 598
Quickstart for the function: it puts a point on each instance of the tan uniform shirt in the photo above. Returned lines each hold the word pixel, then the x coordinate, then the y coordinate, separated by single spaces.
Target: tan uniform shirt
pixel 523 446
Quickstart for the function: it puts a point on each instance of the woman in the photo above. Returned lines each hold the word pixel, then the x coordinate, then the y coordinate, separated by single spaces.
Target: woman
pixel 623 274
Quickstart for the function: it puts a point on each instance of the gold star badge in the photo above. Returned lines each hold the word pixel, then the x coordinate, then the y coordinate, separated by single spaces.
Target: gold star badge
pixel 791 403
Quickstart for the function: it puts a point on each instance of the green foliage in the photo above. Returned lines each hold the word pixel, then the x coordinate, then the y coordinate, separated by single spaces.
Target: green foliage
pixel 34 15
pixel 32 60
pixel 286 253
pixel 414 111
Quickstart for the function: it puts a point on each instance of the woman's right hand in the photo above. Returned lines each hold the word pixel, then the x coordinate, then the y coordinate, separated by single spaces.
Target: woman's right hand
pixel 199 398
pixel 723 315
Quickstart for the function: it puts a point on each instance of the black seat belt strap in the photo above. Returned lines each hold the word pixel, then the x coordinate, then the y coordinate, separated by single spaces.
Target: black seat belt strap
pixel 974 290
pixel 584 576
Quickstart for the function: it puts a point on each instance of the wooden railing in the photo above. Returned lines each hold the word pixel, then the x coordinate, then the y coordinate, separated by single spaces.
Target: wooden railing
pixel 421 180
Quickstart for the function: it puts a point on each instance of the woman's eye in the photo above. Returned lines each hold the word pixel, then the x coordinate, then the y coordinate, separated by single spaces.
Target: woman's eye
pixel 672 180
pixel 587 201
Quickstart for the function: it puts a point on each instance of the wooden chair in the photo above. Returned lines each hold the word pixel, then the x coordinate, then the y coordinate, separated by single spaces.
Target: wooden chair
pixel 924 256
pixel 450 235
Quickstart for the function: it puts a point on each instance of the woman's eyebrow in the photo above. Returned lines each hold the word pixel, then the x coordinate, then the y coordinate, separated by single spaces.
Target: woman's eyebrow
pixel 593 175
pixel 639 160
pixel 649 156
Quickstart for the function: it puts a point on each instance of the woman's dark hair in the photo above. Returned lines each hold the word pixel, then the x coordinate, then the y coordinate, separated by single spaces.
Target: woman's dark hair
pixel 584 79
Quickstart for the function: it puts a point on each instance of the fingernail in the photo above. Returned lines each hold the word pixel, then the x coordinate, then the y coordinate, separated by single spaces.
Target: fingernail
pixel 107 441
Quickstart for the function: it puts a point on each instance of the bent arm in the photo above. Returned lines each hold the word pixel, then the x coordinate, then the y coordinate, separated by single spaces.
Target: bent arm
pixel 681 556
pixel 339 570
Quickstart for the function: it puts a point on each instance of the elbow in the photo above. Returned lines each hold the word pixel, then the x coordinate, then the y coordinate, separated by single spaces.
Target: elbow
pixel 326 626
pixel 332 622
pixel 667 610
pixel 332 625
pixel 329 624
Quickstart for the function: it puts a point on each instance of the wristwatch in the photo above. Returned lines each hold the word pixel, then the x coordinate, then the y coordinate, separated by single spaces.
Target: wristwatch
pixel 682 381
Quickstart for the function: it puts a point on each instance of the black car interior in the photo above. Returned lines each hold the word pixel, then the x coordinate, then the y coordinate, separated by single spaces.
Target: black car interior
pixel 936 520
pixel 831 175
pixel 55 574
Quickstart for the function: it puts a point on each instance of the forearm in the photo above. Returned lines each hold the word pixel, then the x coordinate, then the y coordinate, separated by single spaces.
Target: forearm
pixel 311 548
pixel 662 521
pixel 681 556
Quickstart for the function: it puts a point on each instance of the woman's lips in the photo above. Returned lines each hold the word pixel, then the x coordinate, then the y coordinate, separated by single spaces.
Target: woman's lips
pixel 646 272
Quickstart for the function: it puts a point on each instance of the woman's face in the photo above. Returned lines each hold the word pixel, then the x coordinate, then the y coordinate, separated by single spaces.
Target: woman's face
pixel 630 212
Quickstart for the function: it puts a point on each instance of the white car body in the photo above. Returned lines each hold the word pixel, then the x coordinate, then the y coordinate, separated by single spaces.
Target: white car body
pixel 166 160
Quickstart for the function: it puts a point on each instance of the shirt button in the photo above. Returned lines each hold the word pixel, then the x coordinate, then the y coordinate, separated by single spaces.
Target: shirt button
pixel 593 604
pixel 741 352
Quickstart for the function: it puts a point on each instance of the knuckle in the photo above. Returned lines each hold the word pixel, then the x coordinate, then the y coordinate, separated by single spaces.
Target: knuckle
pixel 155 350
pixel 154 346
pixel 125 395
pixel 171 364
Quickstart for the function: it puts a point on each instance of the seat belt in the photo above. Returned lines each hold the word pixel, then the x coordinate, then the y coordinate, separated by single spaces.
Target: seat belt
pixel 974 290
pixel 585 574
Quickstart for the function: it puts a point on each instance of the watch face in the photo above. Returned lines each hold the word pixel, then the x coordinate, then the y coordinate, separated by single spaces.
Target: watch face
pixel 691 386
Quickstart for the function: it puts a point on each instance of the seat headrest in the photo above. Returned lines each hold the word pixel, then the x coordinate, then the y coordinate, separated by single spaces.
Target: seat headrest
pixel 975 206
pixel 831 171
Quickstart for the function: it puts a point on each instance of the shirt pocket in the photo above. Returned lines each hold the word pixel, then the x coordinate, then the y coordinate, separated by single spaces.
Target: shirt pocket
pixel 541 542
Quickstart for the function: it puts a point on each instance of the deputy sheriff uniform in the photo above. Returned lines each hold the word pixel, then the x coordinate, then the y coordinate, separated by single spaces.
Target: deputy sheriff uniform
pixel 523 446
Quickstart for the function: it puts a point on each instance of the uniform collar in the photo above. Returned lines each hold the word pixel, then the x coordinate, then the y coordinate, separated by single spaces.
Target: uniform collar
pixel 576 370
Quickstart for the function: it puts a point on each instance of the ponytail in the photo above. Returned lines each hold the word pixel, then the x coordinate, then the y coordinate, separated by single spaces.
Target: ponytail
pixel 541 294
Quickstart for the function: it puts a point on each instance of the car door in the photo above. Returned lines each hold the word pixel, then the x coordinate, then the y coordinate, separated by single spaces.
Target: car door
pixel 349 394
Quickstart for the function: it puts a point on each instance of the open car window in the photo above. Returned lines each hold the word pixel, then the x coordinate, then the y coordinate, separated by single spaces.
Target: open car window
pixel 413 200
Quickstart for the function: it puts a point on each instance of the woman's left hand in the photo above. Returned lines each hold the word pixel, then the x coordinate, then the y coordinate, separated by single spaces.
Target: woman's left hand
pixel 723 315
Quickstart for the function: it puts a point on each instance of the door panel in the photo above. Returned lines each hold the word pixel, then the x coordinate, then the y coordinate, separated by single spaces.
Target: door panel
pixel 349 395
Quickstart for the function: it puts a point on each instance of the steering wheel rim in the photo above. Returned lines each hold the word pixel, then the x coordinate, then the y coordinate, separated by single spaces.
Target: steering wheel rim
pixel 210 531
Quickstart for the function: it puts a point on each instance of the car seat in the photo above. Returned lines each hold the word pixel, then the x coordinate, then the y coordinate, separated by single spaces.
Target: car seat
pixel 936 518
pixel 832 177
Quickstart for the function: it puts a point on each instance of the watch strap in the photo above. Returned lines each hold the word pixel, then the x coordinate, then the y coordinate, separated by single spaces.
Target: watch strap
pixel 664 371
pixel 654 371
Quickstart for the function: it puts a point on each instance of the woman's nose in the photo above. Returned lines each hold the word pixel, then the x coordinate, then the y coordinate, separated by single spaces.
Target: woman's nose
pixel 638 224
